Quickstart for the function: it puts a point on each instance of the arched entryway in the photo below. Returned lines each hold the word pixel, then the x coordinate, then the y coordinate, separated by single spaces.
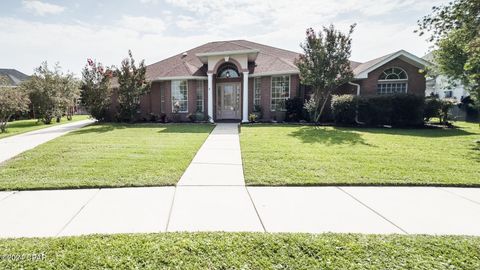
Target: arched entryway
pixel 228 92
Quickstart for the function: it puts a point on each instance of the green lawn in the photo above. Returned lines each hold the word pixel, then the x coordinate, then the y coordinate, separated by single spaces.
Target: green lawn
pixel 107 155
pixel 21 126
pixel 307 155
pixel 245 251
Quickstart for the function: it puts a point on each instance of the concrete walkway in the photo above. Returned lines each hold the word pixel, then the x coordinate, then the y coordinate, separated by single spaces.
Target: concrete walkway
pixel 14 145
pixel 211 196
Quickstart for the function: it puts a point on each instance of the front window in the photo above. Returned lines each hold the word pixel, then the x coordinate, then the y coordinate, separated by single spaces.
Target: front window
pixel 200 94
pixel 256 92
pixel 448 94
pixel 179 96
pixel 280 92
pixel 392 80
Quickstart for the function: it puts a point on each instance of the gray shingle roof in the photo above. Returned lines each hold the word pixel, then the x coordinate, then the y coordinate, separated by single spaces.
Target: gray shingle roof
pixel 13 76
pixel 269 59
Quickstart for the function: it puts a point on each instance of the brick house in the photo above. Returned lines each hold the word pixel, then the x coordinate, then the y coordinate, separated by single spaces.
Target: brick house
pixel 227 80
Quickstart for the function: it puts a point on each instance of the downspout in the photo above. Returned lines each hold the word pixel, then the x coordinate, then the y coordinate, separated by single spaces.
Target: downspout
pixel 356 110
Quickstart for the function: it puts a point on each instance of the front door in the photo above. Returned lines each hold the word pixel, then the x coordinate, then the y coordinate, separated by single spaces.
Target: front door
pixel 228 101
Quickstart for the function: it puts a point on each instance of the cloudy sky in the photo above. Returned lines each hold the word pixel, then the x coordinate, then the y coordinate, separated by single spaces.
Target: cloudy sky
pixel 69 32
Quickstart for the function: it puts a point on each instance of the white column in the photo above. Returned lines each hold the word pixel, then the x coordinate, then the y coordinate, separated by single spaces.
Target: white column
pixel 245 97
pixel 210 97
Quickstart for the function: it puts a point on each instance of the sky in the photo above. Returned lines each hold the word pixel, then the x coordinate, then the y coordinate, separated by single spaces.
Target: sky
pixel 70 32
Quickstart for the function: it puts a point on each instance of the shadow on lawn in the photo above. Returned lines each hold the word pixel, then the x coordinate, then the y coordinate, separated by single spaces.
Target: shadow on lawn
pixel 418 132
pixel 328 136
pixel 162 128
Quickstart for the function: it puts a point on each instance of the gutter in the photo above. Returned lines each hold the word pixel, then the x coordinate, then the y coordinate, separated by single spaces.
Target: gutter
pixel 356 110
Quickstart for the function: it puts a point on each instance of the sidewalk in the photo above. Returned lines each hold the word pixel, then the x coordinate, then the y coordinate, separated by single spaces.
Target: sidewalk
pixel 211 196
pixel 14 145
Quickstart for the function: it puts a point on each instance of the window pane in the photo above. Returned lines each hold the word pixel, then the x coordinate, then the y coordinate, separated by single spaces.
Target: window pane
pixel 179 96
pixel 280 92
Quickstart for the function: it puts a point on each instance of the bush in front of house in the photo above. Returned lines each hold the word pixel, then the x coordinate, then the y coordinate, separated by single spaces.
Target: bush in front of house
pixel 432 107
pixel 295 110
pixel 344 108
pixel 407 110
pixel 396 110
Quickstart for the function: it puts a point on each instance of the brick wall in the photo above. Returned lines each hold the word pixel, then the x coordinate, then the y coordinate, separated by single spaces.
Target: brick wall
pixel 416 80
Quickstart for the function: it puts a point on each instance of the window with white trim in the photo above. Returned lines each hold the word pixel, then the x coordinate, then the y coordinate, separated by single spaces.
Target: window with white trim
pixel 280 92
pixel 256 91
pixel 200 96
pixel 392 80
pixel 179 96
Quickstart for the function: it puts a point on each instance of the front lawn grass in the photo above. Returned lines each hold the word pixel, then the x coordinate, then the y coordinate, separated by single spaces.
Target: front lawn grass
pixel 107 155
pixel 244 251
pixel 311 155
pixel 22 126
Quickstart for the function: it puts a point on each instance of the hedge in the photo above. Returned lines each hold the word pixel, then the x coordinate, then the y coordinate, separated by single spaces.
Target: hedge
pixel 396 110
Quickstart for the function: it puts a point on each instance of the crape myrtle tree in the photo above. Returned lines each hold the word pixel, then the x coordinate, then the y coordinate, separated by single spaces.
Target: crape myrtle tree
pixel 454 30
pixel 52 93
pixel 12 100
pixel 131 86
pixel 95 89
pixel 324 64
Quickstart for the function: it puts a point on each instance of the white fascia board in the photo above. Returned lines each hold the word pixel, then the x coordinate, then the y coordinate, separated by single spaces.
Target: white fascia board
pixel 287 72
pixel 414 60
pixel 180 78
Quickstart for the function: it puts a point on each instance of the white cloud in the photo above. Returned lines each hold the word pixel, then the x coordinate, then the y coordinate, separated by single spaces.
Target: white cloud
pixel 183 24
pixel 143 24
pixel 42 8
pixel 149 1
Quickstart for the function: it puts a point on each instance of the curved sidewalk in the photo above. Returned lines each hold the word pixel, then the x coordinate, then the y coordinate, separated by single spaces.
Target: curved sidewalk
pixel 17 144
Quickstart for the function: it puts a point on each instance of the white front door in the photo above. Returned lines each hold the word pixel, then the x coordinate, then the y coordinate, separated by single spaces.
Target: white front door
pixel 228 101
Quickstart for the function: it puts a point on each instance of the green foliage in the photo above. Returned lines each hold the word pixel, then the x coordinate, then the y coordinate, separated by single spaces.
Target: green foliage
pixel 455 29
pixel 310 106
pixel 432 108
pixel 344 109
pixel 397 110
pixel 245 251
pixel 95 89
pixel 52 93
pixel 12 100
pixel 294 107
pixel 132 86
pixel 252 117
pixel 325 64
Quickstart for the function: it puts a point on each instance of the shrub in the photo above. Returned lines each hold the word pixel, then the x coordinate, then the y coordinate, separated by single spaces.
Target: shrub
pixel 191 117
pixel 407 110
pixel 432 108
pixel 396 110
pixel 445 107
pixel 310 106
pixel 295 111
pixel 252 117
pixel 344 108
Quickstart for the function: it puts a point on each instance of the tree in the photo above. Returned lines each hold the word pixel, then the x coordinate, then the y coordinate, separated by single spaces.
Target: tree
pixel 455 31
pixel 95 89
pixel 132 85
pixel 12 100
pixel 52 93
pixel 325 64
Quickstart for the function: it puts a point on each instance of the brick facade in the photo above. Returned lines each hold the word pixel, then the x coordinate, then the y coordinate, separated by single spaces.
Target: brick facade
pixel 158 101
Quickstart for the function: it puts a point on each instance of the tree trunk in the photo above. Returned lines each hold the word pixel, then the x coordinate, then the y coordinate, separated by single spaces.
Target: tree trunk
pixel 317 119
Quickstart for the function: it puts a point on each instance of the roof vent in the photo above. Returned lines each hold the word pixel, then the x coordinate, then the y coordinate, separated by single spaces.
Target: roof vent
pixel 184 54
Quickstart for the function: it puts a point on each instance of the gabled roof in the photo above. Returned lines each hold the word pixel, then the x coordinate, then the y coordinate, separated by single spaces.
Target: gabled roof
pixel 13 76
pixel 361 71
pixel 269 60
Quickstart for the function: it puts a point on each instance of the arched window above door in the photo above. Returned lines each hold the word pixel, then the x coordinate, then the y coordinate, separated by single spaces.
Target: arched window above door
pixel 227 70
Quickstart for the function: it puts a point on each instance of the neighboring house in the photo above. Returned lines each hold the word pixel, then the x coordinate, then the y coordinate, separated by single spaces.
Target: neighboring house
pixel 12 77
pixel 441 86
pixel 227 80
